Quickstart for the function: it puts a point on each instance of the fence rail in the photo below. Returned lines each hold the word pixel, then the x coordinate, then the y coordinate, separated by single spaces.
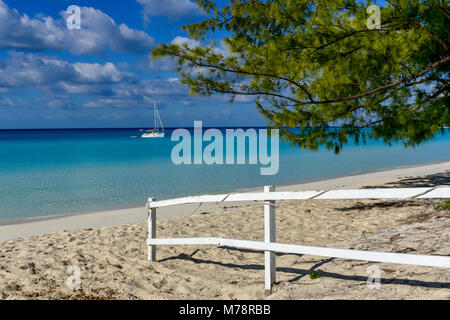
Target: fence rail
pixel 380 193
pixel 270 246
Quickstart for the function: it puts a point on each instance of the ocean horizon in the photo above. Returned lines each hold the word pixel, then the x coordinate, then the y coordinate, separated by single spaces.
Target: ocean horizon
pixel 47 172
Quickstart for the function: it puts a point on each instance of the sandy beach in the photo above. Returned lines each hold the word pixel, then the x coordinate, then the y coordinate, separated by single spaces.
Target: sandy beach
pixel 109 248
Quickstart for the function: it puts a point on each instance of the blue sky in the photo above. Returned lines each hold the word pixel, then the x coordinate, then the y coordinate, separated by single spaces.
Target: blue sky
pixel 101 76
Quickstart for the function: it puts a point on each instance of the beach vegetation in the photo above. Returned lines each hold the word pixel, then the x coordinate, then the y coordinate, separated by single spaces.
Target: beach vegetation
pixel 444 205
pixel 316 66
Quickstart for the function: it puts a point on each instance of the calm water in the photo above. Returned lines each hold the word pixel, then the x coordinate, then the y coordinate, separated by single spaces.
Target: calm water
pixel 48 172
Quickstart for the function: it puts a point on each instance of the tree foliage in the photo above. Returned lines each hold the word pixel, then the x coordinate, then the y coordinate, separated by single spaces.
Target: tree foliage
pixel 314 64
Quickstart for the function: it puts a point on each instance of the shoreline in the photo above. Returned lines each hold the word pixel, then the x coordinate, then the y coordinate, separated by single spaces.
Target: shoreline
pixel 366 172
pixel 28 227
pixel 281 187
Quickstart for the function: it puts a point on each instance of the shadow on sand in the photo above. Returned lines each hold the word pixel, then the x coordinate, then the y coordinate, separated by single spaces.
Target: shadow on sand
pixel 431 180
pixel 302 272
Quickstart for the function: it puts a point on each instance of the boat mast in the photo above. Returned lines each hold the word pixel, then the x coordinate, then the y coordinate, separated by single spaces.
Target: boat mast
pixel 160 121
pixel 154 116
pixel 157 118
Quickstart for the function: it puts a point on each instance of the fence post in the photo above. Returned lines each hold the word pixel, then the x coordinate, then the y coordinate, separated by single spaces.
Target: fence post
pixel 151 230
pixel 269 236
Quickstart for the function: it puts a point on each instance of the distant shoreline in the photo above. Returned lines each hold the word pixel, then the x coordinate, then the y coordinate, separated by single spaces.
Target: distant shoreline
pixel 97 219
pixel 134 128
pixel 144 126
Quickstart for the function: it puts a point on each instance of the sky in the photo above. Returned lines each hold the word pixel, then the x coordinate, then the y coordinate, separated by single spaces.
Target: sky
pixel 101 76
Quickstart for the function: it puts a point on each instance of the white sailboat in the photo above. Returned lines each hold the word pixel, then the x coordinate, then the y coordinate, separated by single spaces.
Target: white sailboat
pixel 158 130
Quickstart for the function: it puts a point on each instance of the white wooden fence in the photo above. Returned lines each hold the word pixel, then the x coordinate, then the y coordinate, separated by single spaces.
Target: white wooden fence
pixel 270 246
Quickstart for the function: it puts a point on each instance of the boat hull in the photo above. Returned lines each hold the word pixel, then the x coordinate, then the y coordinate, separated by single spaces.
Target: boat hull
pixel 153 135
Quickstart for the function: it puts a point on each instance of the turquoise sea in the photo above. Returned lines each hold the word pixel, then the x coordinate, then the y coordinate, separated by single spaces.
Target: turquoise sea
pixel 50 172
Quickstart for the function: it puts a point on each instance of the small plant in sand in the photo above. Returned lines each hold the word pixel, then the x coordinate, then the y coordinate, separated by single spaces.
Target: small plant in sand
pixel 444 205
pixel 314 275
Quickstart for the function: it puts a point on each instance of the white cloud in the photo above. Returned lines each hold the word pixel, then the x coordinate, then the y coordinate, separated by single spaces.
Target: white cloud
pixel 6 102
pixel 172 9
pixel 92 104
pixel 98 33
pixel 181 41
pixel 222 49
pixel 27 70
pixel 161 88
pixel 95 72
pixel 244 98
